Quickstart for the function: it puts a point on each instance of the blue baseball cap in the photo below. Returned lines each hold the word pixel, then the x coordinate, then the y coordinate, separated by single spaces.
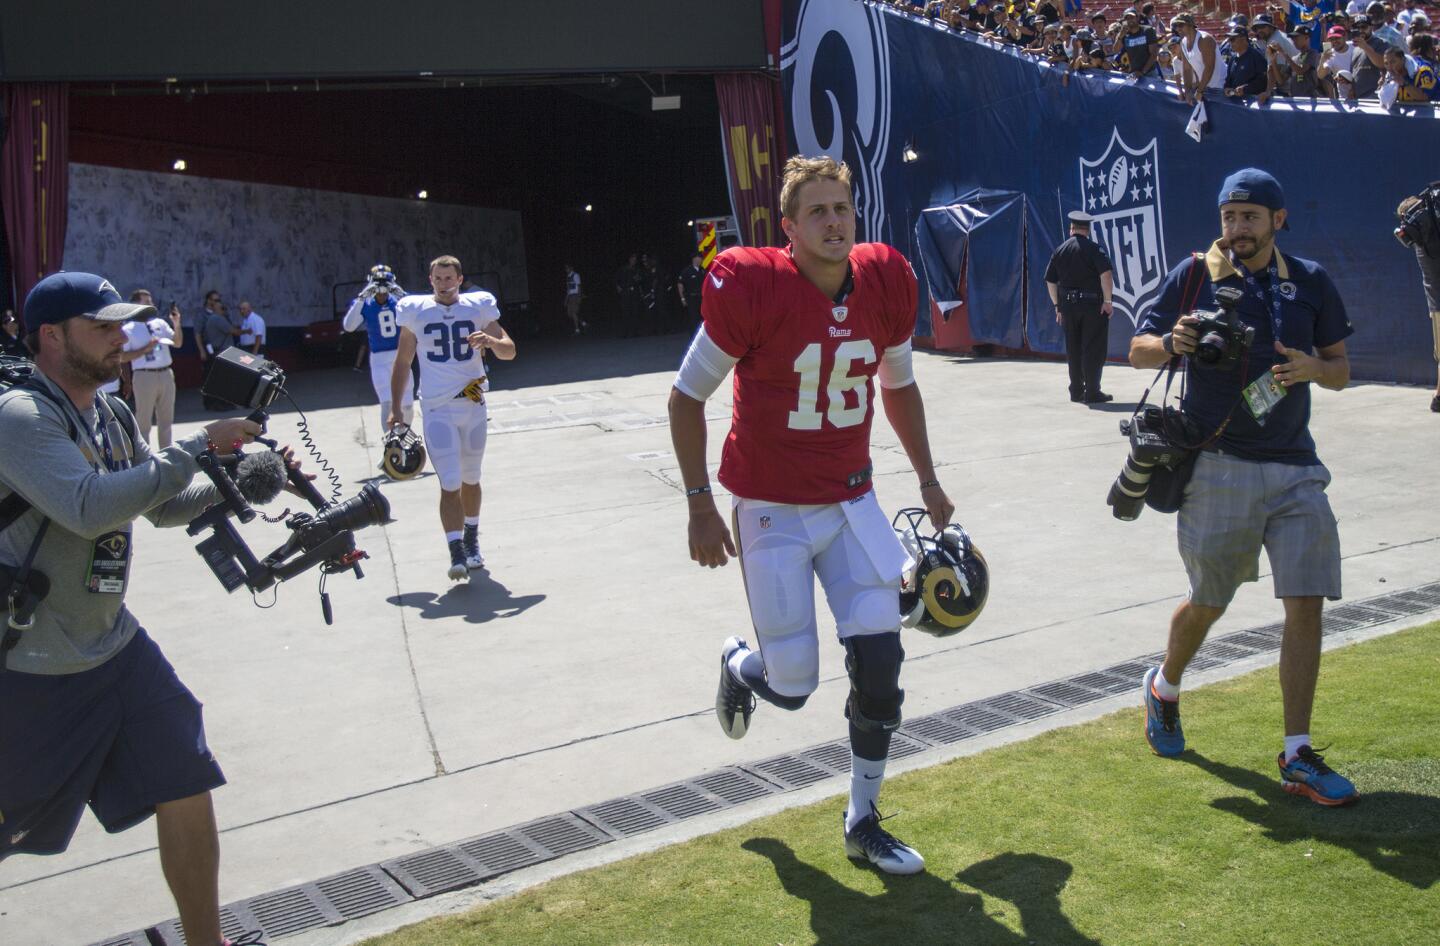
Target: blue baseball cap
pixel 63 296
pixel 1253 186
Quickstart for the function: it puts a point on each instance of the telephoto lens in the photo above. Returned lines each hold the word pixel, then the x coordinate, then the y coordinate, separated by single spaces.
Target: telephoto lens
pixel 369 507
pixel 1127 493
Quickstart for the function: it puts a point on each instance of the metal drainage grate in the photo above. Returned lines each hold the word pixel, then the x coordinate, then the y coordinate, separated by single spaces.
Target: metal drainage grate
pixel 1261 643
pixel 1067 693
pixel 288 911
pixel 1405 602
pixel 499 853
pixel 902 746
pixel 682 801
pixel 1227 650
pixel 833 755
pixel 790 771
pixel 434 871
pixel 361 892
pixel 623 817
pixel 235 921
pixel 978 717
pixel 562 835
pixel 1110 682
pixel 734 785
pixel 936 729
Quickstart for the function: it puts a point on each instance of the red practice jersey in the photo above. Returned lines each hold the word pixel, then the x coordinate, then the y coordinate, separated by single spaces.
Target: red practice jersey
pixel 804 385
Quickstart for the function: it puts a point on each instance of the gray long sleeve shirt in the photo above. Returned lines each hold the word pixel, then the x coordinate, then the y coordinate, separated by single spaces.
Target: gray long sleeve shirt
pixel 66 481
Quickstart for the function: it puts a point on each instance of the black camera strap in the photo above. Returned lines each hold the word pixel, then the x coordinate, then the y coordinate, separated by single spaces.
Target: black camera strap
pixel 1188 297
pixel 19 603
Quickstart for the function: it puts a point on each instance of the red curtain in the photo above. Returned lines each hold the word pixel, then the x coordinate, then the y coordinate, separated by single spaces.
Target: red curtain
pixel 34 180
pixel 753 163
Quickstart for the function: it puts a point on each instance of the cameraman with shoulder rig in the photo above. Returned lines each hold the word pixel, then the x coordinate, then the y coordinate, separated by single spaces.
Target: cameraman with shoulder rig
pixel 1257 480
pixel 1419 230
pixel 90 710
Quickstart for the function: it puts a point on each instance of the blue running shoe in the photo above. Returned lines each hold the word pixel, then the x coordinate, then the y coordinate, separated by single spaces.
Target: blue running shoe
pixel 1162 720
pixel 1308 775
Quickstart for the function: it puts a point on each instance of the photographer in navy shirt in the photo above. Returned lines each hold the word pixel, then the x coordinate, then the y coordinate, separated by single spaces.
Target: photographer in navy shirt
pixel 1259 483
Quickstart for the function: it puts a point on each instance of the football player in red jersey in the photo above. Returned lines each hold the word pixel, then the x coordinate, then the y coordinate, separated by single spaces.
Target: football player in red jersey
pixel 807 329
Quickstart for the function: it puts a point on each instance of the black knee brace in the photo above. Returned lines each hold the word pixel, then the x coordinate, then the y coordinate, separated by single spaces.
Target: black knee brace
pixel 873 662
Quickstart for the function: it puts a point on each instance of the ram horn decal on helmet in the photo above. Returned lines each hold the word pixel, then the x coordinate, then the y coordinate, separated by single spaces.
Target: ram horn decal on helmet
pixel 946 586
pixel 404 455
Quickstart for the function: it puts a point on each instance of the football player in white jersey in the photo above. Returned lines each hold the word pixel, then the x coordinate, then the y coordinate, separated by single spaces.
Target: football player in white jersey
pixel 450 332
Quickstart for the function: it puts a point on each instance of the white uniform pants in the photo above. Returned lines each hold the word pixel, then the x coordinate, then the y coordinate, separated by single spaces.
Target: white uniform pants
pixel 455 440
pixel 382 364
pixel 856 554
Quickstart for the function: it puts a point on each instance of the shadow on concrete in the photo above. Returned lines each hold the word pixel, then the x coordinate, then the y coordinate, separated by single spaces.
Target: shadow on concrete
pixel 924 908
pixel 480 600
pixel 1114 407
pixel 1397 832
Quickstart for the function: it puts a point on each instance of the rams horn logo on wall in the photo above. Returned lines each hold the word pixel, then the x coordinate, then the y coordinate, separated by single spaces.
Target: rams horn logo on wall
pixel 856 88
pixel 1121 193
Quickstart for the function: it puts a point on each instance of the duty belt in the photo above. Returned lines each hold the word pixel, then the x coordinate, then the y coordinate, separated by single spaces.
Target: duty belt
pixel 1080 295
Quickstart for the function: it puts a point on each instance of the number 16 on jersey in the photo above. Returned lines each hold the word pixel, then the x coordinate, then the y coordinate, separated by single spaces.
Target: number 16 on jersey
pixel 807 415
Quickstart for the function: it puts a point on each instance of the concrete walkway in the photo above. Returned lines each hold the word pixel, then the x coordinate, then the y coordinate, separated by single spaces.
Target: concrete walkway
pixel 581 666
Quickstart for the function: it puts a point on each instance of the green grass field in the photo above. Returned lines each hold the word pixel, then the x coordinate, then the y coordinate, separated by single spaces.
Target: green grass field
pixel 1078 836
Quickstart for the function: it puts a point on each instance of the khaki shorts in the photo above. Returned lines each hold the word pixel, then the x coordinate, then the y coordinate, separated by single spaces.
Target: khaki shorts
pixel 1435 330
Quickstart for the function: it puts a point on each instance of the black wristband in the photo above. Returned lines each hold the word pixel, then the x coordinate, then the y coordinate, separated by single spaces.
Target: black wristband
pixel 929 483
pixel 1167 342
pixel 698 491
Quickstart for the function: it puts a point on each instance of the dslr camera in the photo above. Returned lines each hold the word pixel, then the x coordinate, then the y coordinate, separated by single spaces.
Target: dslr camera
pixel 1156 439
pixel 1224 339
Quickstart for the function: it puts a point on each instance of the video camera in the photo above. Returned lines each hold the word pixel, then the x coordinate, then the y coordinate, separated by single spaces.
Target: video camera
pixel 325 539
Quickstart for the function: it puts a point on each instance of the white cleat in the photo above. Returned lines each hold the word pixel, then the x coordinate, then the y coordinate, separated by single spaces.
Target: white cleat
pixel 474 560
pixel 734 702
pixel 458 568
pixel 869 841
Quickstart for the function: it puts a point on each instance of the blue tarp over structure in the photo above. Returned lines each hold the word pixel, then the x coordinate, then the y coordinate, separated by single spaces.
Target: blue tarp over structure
pixel 997 133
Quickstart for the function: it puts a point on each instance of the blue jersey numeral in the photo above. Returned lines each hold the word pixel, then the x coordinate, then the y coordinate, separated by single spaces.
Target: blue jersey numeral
pixel 450 342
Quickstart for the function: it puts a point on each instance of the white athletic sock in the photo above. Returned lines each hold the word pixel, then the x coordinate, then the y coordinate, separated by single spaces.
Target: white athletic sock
pixel 745 665
pixel 1293 744
pixel 472 520
pixel 1164 688
pixel 866 776
pixel 452 536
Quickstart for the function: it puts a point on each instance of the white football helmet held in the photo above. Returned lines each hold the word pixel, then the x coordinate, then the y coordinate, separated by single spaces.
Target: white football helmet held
pixel 404 455
pixel 946 586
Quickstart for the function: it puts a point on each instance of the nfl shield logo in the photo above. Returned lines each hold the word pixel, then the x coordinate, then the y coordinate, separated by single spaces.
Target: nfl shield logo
pixel 1121 192
pixel 840 312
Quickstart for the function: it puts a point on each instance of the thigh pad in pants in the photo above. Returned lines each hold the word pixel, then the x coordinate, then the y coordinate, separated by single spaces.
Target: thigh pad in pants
pixel 455 441
pixel 776 553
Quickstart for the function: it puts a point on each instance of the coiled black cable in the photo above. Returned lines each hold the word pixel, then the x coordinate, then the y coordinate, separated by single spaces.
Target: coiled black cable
pixel 321 463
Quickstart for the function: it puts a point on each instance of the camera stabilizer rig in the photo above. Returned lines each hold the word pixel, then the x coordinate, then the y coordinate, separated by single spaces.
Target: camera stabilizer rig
pixel 325 539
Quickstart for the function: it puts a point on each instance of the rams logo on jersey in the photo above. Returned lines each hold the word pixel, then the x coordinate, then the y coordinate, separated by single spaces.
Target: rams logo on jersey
pixel 1425 77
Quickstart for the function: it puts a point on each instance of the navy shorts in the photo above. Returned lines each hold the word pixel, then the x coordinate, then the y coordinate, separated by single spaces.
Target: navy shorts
pixel 121 738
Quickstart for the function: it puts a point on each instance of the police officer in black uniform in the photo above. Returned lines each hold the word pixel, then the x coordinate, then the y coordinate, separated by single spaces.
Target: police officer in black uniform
pixel 1080 283
pixel 691 283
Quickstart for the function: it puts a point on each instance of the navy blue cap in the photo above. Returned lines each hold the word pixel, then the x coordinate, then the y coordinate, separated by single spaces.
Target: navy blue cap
pixel 1253 186
pixel 62 296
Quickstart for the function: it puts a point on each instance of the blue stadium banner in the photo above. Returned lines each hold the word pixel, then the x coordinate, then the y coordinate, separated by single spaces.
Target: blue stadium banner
pixel 969 155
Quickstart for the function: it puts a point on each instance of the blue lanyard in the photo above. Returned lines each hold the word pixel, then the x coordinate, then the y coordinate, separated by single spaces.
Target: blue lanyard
pixel 1270 293
pixel 101 438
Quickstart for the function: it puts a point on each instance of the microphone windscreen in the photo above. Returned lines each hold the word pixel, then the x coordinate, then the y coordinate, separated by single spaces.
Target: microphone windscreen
pixel 260 476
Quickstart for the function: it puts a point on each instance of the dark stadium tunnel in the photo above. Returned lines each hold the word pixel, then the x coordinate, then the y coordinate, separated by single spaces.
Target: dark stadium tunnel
pixel 544 147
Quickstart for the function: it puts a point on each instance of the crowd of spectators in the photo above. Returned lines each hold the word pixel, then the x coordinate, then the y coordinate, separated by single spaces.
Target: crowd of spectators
pixel 1363 49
